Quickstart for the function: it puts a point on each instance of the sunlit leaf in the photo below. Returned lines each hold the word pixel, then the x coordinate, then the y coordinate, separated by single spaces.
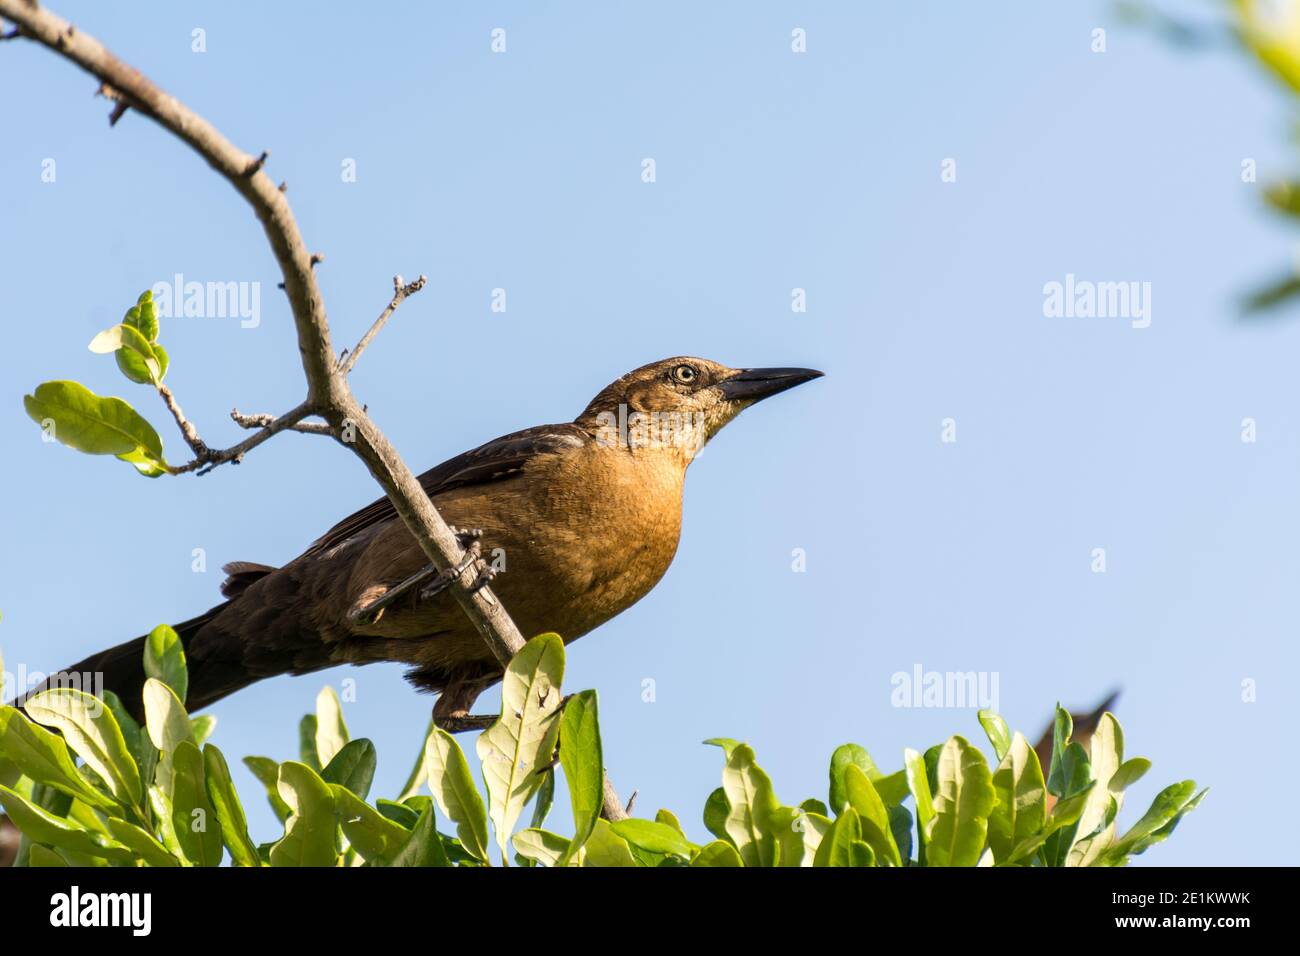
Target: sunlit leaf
pixel 962 805
pixel 448 776
pixel 311 835
pixel 91 731
pixel 522 741
pixel 93 424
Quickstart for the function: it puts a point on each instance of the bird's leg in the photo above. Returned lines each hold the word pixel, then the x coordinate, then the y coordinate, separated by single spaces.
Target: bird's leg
pixel 371 611
pixel 451 712
pixel 469 540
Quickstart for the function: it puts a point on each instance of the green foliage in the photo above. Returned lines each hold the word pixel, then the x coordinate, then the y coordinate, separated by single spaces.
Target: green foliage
pixel 74 415
pixel 158 796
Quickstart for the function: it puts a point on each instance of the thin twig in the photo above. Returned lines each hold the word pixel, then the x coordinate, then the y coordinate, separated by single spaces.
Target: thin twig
pixel 187 428
pixel 263 420
pixel 400 293
pixel 212 457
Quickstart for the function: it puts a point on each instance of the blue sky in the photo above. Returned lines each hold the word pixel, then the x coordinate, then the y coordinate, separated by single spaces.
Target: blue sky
pixel 775 171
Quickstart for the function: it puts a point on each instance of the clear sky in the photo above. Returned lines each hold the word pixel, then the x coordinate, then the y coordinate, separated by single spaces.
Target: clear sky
pixel 774 171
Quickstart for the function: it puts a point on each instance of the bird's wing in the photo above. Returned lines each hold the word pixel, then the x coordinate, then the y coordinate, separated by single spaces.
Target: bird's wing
pixel 493 461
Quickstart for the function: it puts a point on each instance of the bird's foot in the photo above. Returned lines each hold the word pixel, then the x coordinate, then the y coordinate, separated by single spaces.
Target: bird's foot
pixel 461 723
pixel 484 579
pixel 470 540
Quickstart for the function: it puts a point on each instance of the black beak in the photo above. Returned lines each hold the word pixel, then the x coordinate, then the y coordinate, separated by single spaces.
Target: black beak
pixel 756 384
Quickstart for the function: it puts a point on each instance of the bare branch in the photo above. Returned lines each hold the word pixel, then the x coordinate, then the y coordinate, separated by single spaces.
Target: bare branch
pixel 328 393
pixel 263 420
pixel 211 458
pixel 400 293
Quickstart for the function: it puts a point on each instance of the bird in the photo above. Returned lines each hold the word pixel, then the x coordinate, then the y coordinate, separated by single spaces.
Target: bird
pixel 574 523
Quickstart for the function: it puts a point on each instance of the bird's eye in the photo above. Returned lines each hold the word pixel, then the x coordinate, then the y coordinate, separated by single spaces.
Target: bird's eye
pixel 685 374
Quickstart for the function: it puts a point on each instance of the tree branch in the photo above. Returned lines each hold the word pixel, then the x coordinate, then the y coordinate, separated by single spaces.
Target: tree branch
pixel 211 457
pixel 263 420
pixel 328 393
pixel 400 293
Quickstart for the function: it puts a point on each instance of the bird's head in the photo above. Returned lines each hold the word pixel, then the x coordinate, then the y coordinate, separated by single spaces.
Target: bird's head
pixel 680 403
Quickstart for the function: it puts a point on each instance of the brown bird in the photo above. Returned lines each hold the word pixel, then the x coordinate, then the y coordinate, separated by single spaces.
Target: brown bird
pixel 582 518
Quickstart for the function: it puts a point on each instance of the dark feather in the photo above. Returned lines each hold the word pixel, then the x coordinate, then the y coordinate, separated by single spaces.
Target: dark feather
pixel 493 461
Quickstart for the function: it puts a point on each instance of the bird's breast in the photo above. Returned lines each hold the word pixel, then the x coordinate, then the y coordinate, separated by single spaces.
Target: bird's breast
pixel 602 530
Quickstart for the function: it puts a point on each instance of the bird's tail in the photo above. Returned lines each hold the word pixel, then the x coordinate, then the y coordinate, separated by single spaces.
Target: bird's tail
pixel 121 670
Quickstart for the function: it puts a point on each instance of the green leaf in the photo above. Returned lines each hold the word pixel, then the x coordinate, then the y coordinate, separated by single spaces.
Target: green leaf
pixel 862 853
pixel 374 836
pixel 423 847
pixel 653 837
pixel 918 781
pixel 41 826
pixel 751 803
pixel 142 749
pixel 726 743
pixel 164 660
pixel 1163 833
pixel 1129 773
pixel 1064 815
pixel 448 776
pixel 201 728
pixel 522 741
pixel 161 805
pixel 331 731
pixel 168 725
pixel 900 824
pixel 147 316
pixel 1068 771
pixel 813 805
pixel 134 362
pixel 545 799
pixel 353 767
pixel 141 843
pixel 716 809
pixel 998 733
pixel 798 835
pixel 873 818
pixel 311 834
pixel 1097 822
pixel 91 731
pixel 267 771
pixel 196 827
pixel 94 425
pixel 606 848
pixel 403 814
pixel 717 853
pixel 1021 808
pixel 42 856
pixel 307 742
pixel 836 848
pixel 668 818
pixel 892 788
pixel 541 846
pixel 230 812
pixel 583 762
pixel 961 806
pixel 135 355
pixel 1165 809
pixel 844 756
pixel 43 757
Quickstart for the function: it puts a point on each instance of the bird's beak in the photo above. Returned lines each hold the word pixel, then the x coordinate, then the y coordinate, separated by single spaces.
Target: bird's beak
pixel 756 384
